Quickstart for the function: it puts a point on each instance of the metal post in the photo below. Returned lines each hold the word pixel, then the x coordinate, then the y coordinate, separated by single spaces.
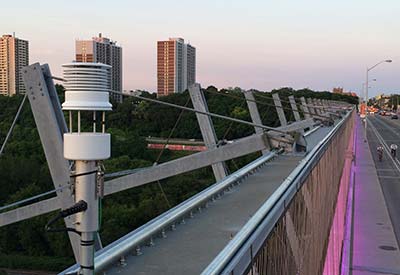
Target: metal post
pixel 279 109
pixel 254 114
pixel 304 107
pixel 85 189
pixel 206 128
pixel 294 108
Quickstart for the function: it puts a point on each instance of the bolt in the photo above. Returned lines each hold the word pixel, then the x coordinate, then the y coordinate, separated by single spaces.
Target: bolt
pixel 138 251
pixel 163 235
pixel 151 242
pixel 122 261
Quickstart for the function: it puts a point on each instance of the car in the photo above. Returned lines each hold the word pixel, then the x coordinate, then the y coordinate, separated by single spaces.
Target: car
pixel 394 116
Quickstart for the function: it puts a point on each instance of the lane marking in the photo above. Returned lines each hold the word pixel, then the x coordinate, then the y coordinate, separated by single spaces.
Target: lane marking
pixel 385 146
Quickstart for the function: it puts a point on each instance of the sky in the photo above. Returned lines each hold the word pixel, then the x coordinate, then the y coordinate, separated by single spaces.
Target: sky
pixel 260 44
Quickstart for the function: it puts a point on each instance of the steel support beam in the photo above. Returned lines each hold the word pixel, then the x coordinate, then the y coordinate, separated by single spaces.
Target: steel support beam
pixel 316 104
pixel 254 114
pixel 29 211
pixel 51 125
pixel 279 109
pixel 206 128
pixel 321 104
pixel 304 107
pixel 310 106
pixel 294 108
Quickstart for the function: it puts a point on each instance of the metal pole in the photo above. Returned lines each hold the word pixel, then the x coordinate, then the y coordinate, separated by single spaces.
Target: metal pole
pixel 85 189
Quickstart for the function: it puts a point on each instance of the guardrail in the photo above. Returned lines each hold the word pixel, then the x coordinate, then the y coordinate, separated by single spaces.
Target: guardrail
pixel 130 242
pixel 239 256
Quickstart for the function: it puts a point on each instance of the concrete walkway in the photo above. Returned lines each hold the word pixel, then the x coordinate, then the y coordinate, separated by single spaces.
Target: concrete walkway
pixel 374 247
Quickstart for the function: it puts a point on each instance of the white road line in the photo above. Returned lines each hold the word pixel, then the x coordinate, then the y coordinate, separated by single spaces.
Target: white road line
pixel 385 146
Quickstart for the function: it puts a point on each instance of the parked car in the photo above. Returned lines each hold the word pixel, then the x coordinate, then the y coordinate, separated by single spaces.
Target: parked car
pixel 394 116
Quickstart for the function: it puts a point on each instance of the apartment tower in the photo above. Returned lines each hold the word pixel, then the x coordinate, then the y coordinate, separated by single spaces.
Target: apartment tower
pixel 176 66
pixel 103 50
pixel 14 55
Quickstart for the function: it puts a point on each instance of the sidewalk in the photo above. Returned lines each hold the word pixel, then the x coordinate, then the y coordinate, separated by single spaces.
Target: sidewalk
pixel 374 247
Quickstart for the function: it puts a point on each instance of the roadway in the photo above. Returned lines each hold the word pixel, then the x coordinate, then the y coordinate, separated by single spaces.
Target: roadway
pixel 383 130
pixel 193 245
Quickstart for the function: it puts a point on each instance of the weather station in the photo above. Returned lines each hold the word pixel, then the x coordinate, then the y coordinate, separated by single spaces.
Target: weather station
pixel 85 146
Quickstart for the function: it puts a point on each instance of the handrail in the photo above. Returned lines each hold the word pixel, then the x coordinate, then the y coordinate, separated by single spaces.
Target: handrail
pixel 113 252
pixel 269 213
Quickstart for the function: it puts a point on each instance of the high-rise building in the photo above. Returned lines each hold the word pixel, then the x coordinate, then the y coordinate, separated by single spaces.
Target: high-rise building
pixel 103 50
pixel 176 66
pixel 14 55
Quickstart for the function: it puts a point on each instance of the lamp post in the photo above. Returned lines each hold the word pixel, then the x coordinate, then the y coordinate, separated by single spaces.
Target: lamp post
pixel 369 69
pixel 366 92
pixel 363 87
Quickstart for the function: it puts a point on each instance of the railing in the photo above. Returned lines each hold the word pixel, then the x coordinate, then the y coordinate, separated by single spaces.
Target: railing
pixel 289 234
pixel 112 253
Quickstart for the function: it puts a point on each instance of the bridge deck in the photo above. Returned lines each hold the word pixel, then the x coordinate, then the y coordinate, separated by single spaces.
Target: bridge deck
pixel 190 248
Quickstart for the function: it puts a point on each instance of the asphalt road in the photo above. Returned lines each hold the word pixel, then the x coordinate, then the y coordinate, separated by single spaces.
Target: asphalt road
pixel 383 130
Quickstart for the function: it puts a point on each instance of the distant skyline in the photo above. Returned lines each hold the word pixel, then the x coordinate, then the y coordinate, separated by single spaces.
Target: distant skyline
pixel 251 44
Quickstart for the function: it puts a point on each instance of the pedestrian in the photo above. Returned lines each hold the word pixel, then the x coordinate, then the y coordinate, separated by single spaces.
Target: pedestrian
pixel 393 149
pixel 379 150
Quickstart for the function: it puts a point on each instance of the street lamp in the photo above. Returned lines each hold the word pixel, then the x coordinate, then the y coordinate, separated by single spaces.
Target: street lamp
pixel 366 92
pixel 369 69
pixel 363 87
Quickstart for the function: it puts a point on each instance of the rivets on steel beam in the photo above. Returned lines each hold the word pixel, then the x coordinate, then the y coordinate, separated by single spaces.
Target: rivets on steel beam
pixel 163 234
pixel 191 214
pixel 173 227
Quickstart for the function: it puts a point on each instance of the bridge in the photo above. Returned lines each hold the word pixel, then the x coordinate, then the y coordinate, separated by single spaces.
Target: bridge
pixel 297 209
